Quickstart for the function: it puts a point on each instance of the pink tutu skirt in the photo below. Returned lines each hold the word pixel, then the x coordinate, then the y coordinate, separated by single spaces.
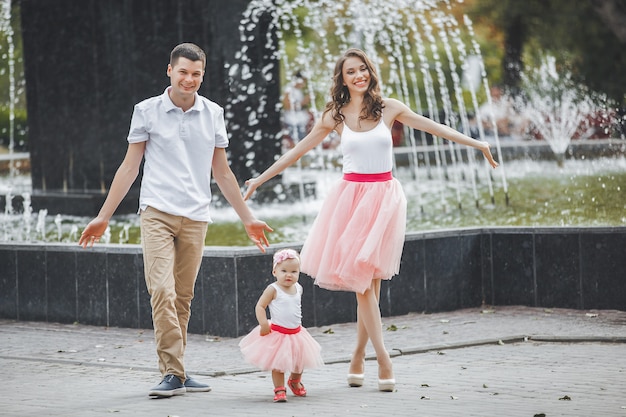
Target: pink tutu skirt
pixel 281 352
pixel 357 236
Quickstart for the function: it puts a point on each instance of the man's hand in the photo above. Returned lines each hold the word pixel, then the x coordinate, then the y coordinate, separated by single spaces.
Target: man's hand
pixel 92 233
pixel 256 232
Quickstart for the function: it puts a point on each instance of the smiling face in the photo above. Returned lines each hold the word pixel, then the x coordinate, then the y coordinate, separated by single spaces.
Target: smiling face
pixel 185 77
pixel 356 75
pixel 287 272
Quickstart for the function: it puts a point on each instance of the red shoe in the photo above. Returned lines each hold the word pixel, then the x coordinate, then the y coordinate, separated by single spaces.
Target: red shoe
pixel 293 384
pixel 280 395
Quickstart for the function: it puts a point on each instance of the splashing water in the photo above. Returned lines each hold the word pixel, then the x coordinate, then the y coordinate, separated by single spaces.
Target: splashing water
pixel 556 107
pixel 421 54
pixel 26 215
pixel 58 221
pixel 40 226
pixel 403 38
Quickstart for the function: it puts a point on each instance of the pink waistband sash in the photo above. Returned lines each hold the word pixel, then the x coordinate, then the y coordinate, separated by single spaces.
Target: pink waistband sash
pixel 380 177
pixel 284 330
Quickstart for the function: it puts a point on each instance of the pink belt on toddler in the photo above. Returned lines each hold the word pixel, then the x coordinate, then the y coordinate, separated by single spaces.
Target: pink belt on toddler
pixel 284 330
pixel 380 177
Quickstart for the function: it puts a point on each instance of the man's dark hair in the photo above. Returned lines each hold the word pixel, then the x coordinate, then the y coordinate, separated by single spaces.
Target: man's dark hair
pixel 190 51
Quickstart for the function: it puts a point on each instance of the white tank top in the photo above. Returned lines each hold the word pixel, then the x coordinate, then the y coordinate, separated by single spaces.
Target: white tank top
pixel 286 309
pixel 369 152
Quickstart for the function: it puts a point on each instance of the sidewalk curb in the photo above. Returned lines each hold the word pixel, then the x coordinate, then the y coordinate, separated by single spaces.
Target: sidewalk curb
pixel 394 352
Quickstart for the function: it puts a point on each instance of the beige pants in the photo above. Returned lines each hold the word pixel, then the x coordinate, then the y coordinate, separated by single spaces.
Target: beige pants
pixel 172 253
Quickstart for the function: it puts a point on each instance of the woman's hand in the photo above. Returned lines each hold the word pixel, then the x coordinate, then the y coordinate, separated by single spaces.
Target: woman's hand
pixel 485 149
pixel 252 185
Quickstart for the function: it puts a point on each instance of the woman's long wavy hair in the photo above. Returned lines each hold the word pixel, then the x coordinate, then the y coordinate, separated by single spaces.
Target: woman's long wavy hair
pixel 340 96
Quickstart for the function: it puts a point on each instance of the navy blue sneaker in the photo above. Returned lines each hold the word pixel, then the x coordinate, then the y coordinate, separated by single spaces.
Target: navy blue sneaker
pixel 169 386
pixel 193 385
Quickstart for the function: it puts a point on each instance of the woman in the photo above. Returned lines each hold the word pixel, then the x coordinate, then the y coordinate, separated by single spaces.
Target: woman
pixel 357 238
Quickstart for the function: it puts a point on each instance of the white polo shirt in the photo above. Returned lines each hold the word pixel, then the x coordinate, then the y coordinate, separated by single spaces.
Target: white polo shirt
pixel 179 151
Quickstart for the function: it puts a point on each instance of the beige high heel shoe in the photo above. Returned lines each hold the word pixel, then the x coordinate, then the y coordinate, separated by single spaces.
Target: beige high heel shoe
pixel 356 380
pixel 386 385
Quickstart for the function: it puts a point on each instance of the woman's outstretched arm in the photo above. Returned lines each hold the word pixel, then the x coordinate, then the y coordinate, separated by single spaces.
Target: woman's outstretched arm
pixel 405 115
pixel 322 128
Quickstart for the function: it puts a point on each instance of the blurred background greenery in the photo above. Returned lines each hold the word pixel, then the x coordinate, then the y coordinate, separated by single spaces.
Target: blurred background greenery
pixel 587 38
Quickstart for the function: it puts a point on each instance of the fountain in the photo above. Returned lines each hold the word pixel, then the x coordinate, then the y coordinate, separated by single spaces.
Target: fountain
pixel 444 182
pixel 400 38
pixel 558 109
pixel 404 43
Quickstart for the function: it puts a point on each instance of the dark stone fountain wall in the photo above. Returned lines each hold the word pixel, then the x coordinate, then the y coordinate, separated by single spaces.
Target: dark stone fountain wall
pixel 87 62
pixel 558 267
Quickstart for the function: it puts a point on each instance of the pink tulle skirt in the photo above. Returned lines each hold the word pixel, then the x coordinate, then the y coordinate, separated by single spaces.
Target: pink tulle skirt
pixel 281 352
pixel 357 236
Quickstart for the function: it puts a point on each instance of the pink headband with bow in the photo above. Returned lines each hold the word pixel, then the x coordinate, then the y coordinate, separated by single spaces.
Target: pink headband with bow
pixel 284 254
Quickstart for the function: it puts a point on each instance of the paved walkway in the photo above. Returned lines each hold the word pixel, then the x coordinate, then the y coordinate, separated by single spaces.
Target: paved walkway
pixel 513 361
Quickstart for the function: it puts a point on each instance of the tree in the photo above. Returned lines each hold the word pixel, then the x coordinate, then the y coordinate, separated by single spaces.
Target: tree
pixel 588 36
pixel 517 21
pixel 592 37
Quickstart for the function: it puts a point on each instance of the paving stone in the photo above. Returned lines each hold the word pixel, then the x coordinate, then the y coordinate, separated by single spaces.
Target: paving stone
pixel 514 361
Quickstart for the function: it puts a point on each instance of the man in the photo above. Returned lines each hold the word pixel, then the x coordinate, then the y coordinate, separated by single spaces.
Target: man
pixel 182 137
